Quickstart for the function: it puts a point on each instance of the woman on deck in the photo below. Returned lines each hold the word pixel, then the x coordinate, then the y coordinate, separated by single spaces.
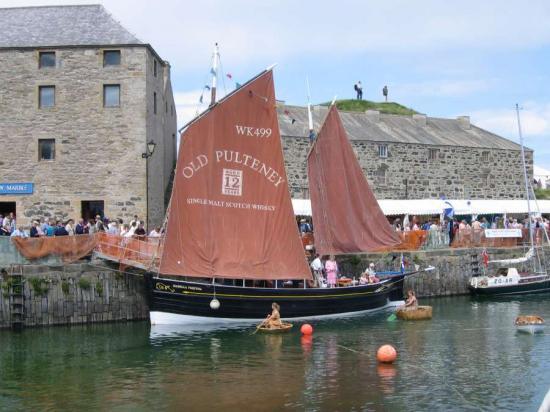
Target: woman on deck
pixel 331 269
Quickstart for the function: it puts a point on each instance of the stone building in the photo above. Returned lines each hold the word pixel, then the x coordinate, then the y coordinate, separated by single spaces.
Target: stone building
pixel 80 99
pixel 413 157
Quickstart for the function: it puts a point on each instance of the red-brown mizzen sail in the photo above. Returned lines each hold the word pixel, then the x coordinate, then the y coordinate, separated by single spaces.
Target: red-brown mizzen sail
pixel 346 215
pixel 231 214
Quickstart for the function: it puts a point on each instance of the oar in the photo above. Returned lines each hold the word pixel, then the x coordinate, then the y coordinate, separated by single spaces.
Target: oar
pixel 261 324
pixel 392 317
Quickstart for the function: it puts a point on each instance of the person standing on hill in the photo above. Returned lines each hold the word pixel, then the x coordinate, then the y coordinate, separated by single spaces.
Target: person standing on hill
pixel 359 90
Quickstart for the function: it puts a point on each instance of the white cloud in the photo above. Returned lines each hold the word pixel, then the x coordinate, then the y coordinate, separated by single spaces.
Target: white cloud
pixel 535 120
pixel 268 31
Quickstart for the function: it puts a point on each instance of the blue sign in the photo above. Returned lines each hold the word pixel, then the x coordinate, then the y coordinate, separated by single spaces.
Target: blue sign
pixel 16 188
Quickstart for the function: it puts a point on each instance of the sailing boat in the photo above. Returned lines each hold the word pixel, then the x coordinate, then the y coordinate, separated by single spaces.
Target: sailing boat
pixel 231 235
pixel 507 279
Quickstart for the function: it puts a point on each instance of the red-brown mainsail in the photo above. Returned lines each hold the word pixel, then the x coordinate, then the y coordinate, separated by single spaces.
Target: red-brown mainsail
pixel 346 215
pixel 231 214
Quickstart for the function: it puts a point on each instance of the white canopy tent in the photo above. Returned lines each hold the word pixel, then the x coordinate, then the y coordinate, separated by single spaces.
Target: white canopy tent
pixel 424 207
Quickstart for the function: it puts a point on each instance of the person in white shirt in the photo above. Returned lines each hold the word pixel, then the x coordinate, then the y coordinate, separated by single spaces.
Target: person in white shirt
pixel 155 232
pixel 69 227
pixel 317 267
pixel 113 228
pixel 19 232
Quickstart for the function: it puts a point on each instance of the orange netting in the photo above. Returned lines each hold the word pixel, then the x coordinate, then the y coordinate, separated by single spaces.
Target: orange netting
pixel 128 251
pixel 412 240
pixel 69 248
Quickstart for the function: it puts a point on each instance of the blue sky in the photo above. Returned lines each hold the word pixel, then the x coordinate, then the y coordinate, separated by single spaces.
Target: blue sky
pixel 441 58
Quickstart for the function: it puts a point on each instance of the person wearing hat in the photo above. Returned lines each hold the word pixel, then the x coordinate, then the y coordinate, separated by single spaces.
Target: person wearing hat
pixel 34 229
pixel 371 274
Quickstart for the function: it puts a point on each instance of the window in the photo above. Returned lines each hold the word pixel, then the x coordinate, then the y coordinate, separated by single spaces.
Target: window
pixel 46 59
pixel 433 154
pixel 111 95
pixel 484 156
pixel 382 150
pixel 155 68
pixel 46 96
pixel 155 103
pixel 46 149
pixel 111 58
pixel 380 176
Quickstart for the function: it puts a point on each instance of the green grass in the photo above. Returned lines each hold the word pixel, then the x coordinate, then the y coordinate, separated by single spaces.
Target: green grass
pixel 542 194
pixel 382 107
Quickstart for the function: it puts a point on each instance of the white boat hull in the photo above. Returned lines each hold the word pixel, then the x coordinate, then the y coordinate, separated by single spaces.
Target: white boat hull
pixel 532 329
pixel 164 318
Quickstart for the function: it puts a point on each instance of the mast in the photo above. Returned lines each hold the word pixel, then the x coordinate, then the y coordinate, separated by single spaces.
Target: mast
pixel 309 116
pixel 214 71
pixel 526 180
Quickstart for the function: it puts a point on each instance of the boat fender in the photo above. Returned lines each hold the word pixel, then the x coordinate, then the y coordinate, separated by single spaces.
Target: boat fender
pixel 214 304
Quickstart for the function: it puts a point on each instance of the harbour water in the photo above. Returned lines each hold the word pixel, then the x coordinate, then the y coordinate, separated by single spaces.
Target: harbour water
pixel 469 357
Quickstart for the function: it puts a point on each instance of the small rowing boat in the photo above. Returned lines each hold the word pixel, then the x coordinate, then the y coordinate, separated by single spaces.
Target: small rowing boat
pixel 285 327
pixel 420 313
pixel 529 324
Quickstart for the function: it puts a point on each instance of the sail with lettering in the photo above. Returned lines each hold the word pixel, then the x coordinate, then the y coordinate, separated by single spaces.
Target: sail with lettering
pixel 231 215
pixel 346 214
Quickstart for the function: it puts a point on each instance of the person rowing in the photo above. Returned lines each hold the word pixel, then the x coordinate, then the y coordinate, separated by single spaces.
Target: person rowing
pixel 273 321
pixel 411 303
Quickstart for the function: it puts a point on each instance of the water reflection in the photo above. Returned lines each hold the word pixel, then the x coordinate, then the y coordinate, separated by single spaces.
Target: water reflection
pixel 469 357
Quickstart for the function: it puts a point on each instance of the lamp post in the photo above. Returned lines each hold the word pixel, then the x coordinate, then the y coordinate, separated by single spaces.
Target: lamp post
pixel 148 153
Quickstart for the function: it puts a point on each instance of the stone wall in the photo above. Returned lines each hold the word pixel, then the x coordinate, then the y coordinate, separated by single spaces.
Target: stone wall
pixel 408 173
pixel 97 149
pixel 76 294
pixel 453 268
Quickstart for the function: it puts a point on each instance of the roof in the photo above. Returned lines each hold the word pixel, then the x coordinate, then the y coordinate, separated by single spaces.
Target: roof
pixel 49 26
pixel 390 128
pixel 428 207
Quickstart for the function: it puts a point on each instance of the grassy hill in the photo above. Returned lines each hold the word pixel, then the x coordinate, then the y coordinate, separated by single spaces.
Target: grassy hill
pixel 382 107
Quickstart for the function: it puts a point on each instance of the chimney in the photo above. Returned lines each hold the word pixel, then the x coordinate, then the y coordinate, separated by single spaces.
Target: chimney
pixel 373 115
pixel 420 119
pixel 464 122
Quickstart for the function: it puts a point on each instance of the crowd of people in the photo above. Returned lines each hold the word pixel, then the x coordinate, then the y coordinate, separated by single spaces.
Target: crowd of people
pixel 447 230
pixel 55 227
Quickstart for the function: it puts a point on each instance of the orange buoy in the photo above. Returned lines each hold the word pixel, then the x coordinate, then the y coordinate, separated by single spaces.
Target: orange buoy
pixel 386 354
pixel 306 329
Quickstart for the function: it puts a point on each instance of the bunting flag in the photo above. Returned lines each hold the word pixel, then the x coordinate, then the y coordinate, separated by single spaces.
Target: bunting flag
pixel 213 72
pixel 229 75
pixel 237 85
pixel 207 87
pixel 200 99
pixel 293 121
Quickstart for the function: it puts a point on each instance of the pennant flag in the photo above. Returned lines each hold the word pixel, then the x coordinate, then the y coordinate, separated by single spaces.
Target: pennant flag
pixel 200 99
pixel 237 85
pixel 207 87
pixel 293 121
pixel 448 211
pixel 212 71
pixel 229 75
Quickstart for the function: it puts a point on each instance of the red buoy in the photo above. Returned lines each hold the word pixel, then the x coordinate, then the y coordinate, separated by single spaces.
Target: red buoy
pixel 386 354
pixel 306 329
